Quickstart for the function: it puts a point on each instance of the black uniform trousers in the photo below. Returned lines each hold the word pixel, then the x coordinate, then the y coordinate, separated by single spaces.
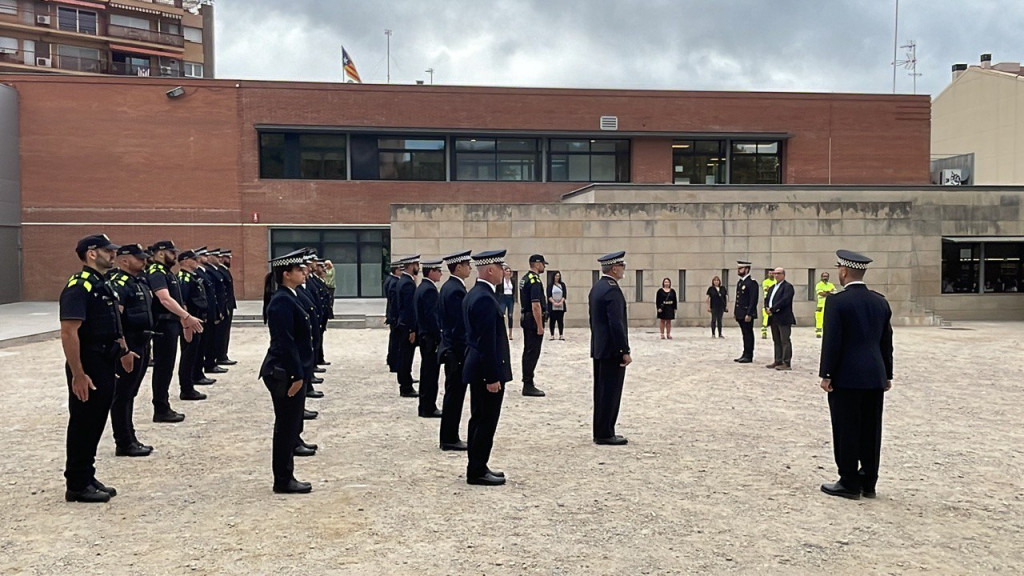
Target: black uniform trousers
pixel 211 332
pixel 165 352
pixel 430 371
pixel 319 352
pixel 223 336
pixel 191 357
pixel 609 375
pixel 532 343
pixel 747 329
pixel 485 409
pixel 87 419
pixel 392 358
pixel 454 397
pixel 406 353
pixel 857 434
pixel 287 427
pixel 126 389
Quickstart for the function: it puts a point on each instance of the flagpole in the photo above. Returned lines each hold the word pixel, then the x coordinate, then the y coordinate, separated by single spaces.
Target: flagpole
pixel 387 32
pixel 895 41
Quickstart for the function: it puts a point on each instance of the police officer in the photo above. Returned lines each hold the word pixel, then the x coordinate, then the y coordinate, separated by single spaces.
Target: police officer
pixel 609 347
pixel 488 365
pixel 391 315
pixel 534 305
pixel 406 324
pixel 428 335
pixel 170 319
pixel 136 304
pixel 90 333
pixel 452 350
pixel 287 367
pixel 214 316
pixel 856 371
pixel 316 283
pixel 193 295
pixel 745 309
pixel 823 289
pixel 222 259
pixel 314 309
pixel 766 286
pixel 218 290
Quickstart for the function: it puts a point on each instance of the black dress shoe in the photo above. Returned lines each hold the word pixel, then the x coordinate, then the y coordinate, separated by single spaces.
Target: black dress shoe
pixel 435 414
pixel 324 363
pixel 133 449
pixel 301 450
pixel 497 473
pixel 457 446
pixel 317 380
pixel 226 362
pixel 215 370
pixel 309 414
pixel 409 393
pixel 318 370
pixel 868 493
pixel 532 390
pixel 314 394
pixel 294 487
pixel 169 416
pixel 744 360
pixel 192 395
pixel 837 489
pixel 308 445
pixel 88 494
pixel 109 491
pixel 205 381
pixel 487 479
pixel 613 441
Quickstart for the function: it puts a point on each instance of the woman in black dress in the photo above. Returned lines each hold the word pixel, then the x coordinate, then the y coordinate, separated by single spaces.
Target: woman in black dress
pixel 718 304
pixel 666 303
pixel 556 304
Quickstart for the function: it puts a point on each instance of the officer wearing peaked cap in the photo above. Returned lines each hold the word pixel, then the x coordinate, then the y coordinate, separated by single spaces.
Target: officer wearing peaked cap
pixel 533 301
pixel 214 316
pixel 391 313
pixel 609 346
pixel 194 296
pixel 428 336
pixel 452 350
pixel 748 296
pixel 856 371
pixel 406 324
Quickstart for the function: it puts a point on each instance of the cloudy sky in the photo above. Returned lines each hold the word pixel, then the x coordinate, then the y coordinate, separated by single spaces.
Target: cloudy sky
pixel 774 45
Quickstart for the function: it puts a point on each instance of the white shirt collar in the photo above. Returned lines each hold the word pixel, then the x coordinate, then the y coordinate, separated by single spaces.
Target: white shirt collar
pixel 486 282
pixel 848 284
pixel 742 278
pixel 292 290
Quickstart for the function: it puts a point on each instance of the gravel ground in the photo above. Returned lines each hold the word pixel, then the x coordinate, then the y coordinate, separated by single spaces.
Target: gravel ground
pixel 720 476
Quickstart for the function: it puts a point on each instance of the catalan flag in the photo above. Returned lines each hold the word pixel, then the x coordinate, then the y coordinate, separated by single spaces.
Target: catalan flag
pixel 349 66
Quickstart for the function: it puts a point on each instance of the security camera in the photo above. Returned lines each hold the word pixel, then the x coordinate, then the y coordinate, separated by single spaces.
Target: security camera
pixel 176 92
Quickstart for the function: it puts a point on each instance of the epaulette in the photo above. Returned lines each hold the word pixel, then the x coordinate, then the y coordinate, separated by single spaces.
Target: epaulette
pixel 879 293
pixel 155 267
pixel 612 283
pixel 184 276
pixel 84 278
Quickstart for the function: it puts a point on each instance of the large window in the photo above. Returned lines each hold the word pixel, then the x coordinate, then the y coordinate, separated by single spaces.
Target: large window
pixel 306 156
pixel 131 21
pixel 756 163
pixel 397 157
pixel 194 34
pixel 698 162
pixel 80 59
pixel 74 20
pixel 497 159
pixel 587 160
pixel 975 267
pixel 359 256
pixel 8 6
pixel 193 70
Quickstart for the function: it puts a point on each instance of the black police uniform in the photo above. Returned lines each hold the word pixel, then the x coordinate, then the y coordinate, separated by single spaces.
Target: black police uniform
pixel 193 293
pixel 137 322
pixel 213 318
pixel 88 297
pixel 212 339
pixel 487 361
pixel 319 288
pixel 391 319
pixel 748 294
pixel 311 304
pixel 165 341
pixel 531 290
pixel 289 359
pixel 452 351
pixel 609 342
pixel 229 306
pixel 406 325
pixel 428 336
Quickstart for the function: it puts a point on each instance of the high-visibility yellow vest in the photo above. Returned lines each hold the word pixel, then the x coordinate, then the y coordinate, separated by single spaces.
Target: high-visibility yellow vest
pixel 823 287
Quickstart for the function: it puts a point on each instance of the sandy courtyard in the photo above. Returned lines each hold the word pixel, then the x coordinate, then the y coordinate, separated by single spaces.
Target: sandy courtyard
pixel 720 476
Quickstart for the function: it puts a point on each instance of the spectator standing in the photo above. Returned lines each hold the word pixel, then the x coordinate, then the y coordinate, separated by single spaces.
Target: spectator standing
pixel 717 303
pixel 666 303
pixel 556 304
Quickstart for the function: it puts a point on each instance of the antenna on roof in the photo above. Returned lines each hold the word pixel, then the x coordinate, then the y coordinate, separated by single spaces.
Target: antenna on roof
pixel 910 63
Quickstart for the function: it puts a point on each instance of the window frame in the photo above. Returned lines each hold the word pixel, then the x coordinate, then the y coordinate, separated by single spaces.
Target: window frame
pixel 757 157
pixel 78 20
pixel 623 156
pixel 495 156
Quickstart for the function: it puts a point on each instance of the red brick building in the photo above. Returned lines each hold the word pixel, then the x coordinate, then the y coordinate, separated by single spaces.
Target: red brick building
pixel 264 166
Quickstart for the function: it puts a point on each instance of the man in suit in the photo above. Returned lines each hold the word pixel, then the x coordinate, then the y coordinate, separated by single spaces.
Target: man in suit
pixel 488 365
pixel 405 292
pixel 428 333
pixel 745 309
pixel 778 306
pixel 609 347
pixel 452 351
pixel 856 371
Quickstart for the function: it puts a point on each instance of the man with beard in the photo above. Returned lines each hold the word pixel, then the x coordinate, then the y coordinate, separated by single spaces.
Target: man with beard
pixel 745 309
pixel 406 317
pixel 428 335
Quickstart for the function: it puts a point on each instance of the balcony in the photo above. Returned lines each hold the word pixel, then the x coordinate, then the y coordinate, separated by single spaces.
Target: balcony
pixel 141 35
pixel 126 69
pixel 77 64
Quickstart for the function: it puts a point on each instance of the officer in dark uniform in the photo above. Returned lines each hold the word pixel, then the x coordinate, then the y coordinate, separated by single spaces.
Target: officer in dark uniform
pixel 856 371
pixel 90 332
pixel 406 324
pixel 136 302
pixel 391 315
pixel 193 294
pixel 214 315
pixel 488 365
pixel 319 288
pixel 428 335
pixel 609 346
pixel 745 309
pixel 170 319
pixel 215 336
pixel 533 301
pixel 230 306
pixel 287 368
pixel 314 309
pixel 452 351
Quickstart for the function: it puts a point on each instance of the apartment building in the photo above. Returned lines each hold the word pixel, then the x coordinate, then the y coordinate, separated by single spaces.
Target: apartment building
pixel 168 38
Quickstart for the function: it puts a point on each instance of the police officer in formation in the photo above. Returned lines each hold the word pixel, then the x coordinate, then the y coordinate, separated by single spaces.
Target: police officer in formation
pixel 391 314
pixel 215 349
pixel 609 347
pixel 533 301
pixel 136 304
pixel 93 342
pixel 310 298
pixel 215 306
pixel 856 372
pixel 745 309
pixel 319 289
pixel 452 350
pixel 405 316
pixel 193 295
pixel 428 336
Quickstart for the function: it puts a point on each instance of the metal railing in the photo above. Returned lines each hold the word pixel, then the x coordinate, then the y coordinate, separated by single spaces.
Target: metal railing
pixel 78 64
pixel 141 35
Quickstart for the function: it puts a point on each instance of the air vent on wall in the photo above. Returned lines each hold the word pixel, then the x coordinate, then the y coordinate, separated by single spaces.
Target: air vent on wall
pixel 609 122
